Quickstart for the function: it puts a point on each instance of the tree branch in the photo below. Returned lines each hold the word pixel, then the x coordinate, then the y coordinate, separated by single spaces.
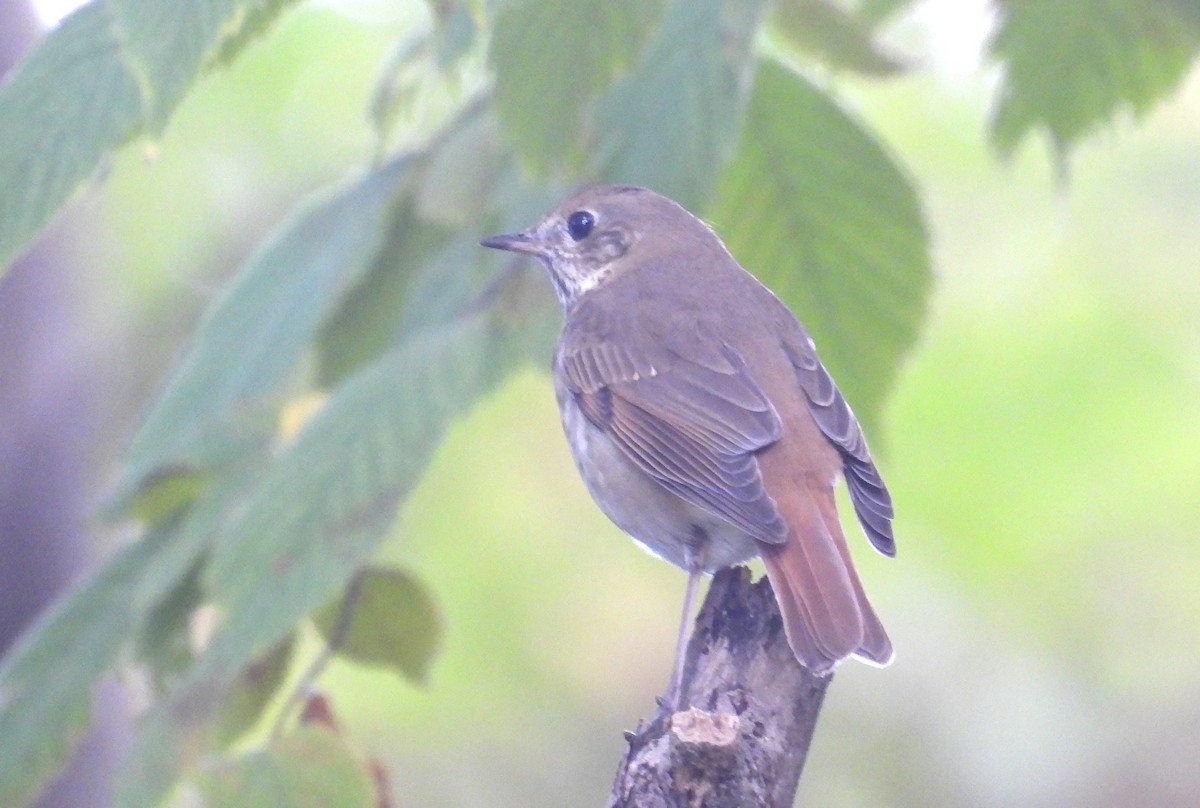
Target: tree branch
pixel 753 709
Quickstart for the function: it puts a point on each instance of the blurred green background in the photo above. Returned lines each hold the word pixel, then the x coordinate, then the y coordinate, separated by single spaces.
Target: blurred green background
pixel 1042 446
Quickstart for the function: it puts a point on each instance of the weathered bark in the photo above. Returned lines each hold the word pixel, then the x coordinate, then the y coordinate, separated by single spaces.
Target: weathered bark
pixel 753 708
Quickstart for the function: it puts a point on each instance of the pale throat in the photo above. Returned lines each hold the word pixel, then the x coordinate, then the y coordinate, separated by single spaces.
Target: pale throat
pixel 572 280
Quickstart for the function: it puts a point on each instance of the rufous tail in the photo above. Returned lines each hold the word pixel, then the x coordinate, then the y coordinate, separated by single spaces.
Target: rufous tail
pixel 826 613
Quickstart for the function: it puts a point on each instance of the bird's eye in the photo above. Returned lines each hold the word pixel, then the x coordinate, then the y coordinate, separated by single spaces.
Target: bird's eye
pixel 579 224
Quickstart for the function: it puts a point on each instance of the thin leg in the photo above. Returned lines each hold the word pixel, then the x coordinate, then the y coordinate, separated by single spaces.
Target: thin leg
pixel 695 559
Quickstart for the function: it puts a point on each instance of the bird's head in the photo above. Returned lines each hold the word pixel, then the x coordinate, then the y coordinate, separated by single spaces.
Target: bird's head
pixel 601 232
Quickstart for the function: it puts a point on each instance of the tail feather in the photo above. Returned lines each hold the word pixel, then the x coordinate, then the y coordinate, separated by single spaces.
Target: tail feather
pixel 875 647
pixel 825 611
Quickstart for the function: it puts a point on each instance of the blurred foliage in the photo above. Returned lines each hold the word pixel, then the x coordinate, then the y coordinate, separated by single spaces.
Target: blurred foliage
pixel 392 622
pixel 312 768
pixel 813 205
pixel 581 49
pixel 671 121
pixel 836 35
pixel 112 69
pixel 1072 66
pixel 373 299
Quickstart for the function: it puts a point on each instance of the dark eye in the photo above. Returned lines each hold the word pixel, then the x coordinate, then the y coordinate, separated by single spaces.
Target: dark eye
pixel 579 224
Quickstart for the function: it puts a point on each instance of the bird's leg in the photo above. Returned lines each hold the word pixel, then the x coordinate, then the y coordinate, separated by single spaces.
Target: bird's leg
pixel 694 557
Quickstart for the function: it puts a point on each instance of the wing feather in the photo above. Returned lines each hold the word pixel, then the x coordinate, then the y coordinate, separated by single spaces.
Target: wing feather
pixel 872 502
pixel 692 423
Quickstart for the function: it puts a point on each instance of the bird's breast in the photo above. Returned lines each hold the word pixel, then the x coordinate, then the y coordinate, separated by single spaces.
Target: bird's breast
pixel 656 518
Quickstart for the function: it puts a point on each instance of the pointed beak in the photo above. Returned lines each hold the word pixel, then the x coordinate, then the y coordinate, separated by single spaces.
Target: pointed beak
pixel 523 242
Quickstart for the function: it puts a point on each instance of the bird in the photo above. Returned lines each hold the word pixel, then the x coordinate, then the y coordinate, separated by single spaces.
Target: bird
pixel 701 419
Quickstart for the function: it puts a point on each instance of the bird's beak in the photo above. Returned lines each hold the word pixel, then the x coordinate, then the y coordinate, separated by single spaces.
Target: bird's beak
pixel 523 242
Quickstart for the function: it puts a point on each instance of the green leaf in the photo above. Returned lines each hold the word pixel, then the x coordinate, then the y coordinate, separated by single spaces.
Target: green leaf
pixel 168 43
pixel 670 123
pixel 369 319
pixel 878 11
pixel 814 207
pixel 165 492
pixel 61 111
pixel 417 279
pixel 244 703
pixel 833 35
pixel 319 513
pixel 226 391
pixel 93 83
pixel 461 171
pixel 396 85
pixel 400 300
pixel 312 768
pixel 456 33
pixel 424 69
pixel 396 623
pixel 254 25
pixel 1188 10
pixel 422 277
pixel 323 506
pixel 164 643
pixel 1069 67
pixel 552 59
pixel 46 680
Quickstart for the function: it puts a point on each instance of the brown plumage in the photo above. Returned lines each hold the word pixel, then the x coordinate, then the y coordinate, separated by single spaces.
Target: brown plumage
pixel 700 417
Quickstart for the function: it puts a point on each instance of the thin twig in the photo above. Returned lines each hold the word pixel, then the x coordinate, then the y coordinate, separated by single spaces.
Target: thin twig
pixel 349 608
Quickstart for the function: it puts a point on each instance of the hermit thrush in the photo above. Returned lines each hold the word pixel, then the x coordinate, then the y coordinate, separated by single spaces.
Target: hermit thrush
pixel 700 417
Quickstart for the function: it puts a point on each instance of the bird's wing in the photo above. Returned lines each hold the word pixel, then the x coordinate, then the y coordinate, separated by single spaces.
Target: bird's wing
pixel 833 415
pixel 691 423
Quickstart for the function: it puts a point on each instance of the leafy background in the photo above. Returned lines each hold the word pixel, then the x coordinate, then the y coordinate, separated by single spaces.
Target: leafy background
pixel 1041 437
